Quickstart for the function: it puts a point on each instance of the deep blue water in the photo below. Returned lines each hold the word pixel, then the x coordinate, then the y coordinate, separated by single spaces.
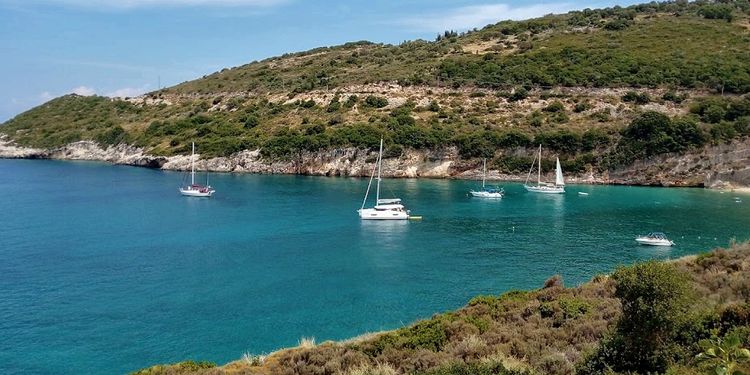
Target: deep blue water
pixel 107 269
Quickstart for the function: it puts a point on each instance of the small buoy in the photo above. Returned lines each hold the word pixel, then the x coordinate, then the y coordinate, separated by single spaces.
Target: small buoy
pixel 415 218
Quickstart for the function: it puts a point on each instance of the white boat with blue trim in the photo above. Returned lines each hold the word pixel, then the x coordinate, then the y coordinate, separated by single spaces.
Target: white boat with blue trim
pixel 487 191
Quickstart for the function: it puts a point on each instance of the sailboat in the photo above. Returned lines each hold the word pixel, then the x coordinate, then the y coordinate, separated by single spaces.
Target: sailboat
pixel 196 190
pixel 543 187
pixel 384 209
pixel 487 192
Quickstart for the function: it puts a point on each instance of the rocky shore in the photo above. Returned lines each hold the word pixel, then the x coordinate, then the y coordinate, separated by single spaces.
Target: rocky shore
pixel 725 166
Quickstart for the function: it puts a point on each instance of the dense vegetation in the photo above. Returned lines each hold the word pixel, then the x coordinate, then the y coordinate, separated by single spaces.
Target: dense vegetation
pixel 659 318
pixel 488 93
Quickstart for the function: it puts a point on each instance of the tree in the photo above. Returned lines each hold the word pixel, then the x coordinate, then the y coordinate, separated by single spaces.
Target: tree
pixel 655 300
pixel 650 132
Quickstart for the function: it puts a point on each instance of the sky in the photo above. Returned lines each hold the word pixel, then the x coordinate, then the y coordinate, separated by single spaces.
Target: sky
pixel 123 48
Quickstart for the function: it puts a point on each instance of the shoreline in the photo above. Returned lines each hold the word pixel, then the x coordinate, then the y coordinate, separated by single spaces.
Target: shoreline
pixel 419 164
pixel 273 360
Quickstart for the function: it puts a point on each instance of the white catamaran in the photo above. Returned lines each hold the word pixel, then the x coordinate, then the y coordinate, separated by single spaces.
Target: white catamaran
pixel 543 187
pixel 385 209
pixel 196 190
pixel 487 192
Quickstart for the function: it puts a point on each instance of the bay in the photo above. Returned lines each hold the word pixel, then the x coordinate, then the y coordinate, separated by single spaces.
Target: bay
pixel 107 269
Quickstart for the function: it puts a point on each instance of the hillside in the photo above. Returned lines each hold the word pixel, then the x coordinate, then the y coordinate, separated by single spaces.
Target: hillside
pixel 647 318
pixel 586 85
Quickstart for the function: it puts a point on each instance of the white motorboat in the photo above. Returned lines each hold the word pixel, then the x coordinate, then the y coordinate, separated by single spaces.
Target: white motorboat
pixel 542 187
pixel 654 239
pixel 487 192
pixel 384 209
pixel 583 194
pixel 196 190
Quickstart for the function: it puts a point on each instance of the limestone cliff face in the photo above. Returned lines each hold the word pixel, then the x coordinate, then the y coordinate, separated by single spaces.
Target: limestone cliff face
pixel 718 166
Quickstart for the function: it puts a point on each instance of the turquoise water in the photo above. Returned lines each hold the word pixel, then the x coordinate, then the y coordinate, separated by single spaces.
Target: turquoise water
pixel 107 269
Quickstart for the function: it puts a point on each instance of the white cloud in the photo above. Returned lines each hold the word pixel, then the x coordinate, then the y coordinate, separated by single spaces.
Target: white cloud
pixel 132 4
pixel 469 17
pixel 128 92
pixel 83 91
pixel 46 96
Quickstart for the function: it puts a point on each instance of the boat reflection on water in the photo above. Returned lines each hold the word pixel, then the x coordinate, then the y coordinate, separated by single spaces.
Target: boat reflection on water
pixel 385 234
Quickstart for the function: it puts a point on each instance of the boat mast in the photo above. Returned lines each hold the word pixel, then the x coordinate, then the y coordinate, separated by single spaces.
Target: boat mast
pixel 484 171
pixel 380 163
pixel 539 176
pixel 192 166
pixel 528 176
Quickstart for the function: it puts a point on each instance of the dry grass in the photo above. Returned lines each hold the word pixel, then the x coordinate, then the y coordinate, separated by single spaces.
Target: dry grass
pixel 547 331
pixel 306 342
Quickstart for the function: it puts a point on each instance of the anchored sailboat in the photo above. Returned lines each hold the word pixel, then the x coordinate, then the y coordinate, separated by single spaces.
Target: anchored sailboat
pixel 543 187
pixel 384 209
pixel 196 190
pixel 487 192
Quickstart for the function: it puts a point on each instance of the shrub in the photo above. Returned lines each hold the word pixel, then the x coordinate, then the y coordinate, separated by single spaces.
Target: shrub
pixel 672 96
pixel 716 12
pixel 307 104
pixel 617 24
pixel 554 281
pixel 474 145
pixel 581 107
pixel 637 98
pixel 376 101
pixel 723 132
pixel 593 139
pixel 713 114
pixel 555 106
pixel 518 94
pixel 351 101
pixel 475 368
pixel 561 140
pixel 572 307
pixel 334 105
pixel 112 136
pixel 250 121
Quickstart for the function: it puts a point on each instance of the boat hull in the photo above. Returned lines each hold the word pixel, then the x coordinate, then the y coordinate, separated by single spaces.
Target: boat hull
pixel 654 242
pixel 485 194
pixel 545 189
pixel 373 214
pixel 196 193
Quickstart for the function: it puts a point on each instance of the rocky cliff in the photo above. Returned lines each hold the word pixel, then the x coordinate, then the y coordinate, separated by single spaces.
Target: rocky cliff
pixel 715 166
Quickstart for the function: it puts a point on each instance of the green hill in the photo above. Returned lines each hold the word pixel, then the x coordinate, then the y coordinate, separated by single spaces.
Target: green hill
pixel 572 82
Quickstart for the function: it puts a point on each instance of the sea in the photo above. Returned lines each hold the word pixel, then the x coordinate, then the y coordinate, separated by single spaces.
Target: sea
pixel 106 269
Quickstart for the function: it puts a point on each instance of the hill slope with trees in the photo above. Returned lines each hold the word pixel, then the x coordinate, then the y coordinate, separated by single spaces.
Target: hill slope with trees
pixel 600 88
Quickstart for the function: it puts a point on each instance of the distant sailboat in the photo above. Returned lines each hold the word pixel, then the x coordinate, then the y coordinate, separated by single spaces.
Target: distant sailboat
pixel 543 187
pixel 384 209
pixel 487 192
pixel 196 190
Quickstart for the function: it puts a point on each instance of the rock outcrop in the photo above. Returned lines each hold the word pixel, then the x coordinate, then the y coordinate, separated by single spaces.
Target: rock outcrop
pixel 717 166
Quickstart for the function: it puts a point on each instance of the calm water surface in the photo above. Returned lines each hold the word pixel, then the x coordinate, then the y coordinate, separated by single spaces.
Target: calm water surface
pixel 107 269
